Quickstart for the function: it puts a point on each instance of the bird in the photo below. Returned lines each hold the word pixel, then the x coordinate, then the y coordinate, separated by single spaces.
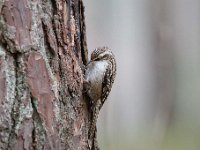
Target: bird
pixel 99 75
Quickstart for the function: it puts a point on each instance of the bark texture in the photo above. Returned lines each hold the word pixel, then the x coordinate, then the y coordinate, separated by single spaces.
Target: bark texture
pixel 42 49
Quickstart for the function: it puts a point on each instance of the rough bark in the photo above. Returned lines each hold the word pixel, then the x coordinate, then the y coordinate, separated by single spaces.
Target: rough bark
pixel 42 51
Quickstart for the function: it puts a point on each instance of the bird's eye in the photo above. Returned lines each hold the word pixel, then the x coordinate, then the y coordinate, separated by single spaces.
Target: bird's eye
pixel 96 59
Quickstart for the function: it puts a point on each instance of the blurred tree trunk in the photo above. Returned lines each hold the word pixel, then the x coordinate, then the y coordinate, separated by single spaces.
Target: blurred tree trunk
pixel 164 112
pixel 42 49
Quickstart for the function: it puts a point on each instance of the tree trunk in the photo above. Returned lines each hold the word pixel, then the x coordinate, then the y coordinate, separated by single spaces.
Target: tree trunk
pixel 42 51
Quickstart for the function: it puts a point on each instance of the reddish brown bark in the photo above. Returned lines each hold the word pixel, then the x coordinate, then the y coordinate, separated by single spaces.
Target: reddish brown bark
pixel 42 49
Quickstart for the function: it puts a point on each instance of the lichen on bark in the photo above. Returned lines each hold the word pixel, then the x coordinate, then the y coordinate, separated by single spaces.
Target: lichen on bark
pixel 42 49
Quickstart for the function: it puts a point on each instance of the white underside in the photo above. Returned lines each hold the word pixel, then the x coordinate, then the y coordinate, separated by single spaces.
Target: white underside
pixel 94 75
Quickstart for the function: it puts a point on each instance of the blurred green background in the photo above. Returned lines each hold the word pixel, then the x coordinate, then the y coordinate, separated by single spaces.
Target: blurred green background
pixel 155 100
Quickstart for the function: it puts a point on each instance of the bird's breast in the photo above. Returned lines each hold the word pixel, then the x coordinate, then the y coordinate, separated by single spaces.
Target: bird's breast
pixel 95 75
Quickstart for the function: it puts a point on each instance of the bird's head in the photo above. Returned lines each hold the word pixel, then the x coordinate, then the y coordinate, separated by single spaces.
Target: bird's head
pixel 101 53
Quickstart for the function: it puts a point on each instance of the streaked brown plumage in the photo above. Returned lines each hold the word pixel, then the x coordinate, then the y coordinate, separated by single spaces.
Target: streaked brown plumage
pixel 100 75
